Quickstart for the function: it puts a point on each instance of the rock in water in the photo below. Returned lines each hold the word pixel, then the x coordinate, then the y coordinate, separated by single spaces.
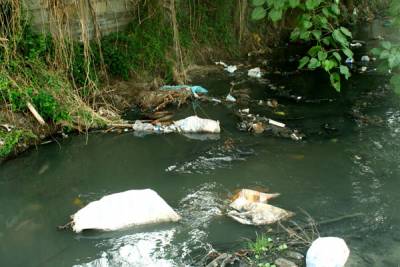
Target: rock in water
pixel 123 210
pixel 327 252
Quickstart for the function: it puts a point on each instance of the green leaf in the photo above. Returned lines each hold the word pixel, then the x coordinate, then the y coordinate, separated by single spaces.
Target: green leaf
pixel 345 31
pixel 295 34
pixel 335 81
pixel 337 56
pixel 376 51
pixel 307 24
pixel 387 45
pixel 348 52
pixel 395 82
pixel 329 64
pixel 312 4
pixel 317 34
pixel 384 55
pixel 326 12
pixel 303 62
pixel 258 13
pixel 314 50
pixel 340 38
pixel 322 55
pixel 345 71
pixel 327 41
pixel 314 63
pixel 258 2
pixel 294 3
pixel 275 14
pixel 335 9
pixel 305 35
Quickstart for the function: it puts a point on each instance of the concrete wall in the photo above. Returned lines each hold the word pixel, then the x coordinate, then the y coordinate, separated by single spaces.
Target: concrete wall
pixel 111 15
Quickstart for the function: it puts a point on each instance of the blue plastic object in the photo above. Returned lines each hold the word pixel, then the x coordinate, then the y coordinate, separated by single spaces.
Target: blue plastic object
pixel 196 89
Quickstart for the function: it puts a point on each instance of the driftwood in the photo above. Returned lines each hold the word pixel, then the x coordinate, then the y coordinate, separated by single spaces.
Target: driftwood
pixel 35 114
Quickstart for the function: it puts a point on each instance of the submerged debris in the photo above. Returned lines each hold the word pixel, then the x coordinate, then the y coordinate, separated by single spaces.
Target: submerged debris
pixel 250 207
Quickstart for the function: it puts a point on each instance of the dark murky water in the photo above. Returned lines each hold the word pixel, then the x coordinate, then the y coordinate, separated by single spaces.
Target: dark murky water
pixel 344 166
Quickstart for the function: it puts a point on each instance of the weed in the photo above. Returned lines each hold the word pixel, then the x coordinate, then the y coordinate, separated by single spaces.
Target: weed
pixel 9 140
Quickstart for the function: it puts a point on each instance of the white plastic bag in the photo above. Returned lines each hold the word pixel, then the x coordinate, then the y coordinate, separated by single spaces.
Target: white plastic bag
pixel 255 73
pixel 123 210
pixel 195 124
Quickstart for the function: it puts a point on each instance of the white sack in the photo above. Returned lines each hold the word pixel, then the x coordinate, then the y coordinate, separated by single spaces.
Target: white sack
pixel 123 210
pixel 195 124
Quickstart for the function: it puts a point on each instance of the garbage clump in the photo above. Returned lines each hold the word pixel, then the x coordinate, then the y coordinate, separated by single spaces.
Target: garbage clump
pixel 230 98
pixel 260 124
pixel 327 252
pixel 190 125
pixel 250 207
pixel 195 89
pixel 123 210
pixel 254 73
pixel 228 68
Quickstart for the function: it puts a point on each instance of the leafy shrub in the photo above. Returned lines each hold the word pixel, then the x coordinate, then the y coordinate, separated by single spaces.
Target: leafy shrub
pixel 318 24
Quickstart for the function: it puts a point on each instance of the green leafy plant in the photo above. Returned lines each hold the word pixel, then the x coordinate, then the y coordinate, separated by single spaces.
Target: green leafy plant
pixel 319 25
pixel 265 248
pixel 10 139
pixel 388 52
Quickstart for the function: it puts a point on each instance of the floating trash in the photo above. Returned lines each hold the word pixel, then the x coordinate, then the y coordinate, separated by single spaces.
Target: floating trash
pixel 123 210
pixel 250 207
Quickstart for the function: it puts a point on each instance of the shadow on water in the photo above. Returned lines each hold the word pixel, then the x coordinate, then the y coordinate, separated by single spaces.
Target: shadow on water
pixel 349 163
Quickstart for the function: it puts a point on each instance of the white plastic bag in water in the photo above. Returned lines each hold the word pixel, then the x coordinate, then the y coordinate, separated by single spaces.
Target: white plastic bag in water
pixel 255 73
pixel 123 210
pixel 195 124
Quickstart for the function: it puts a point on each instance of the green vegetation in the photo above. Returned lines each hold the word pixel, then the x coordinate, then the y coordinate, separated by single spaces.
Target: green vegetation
pixel 265 250
pixel 389 52
pixel 318 24
pixel 11 139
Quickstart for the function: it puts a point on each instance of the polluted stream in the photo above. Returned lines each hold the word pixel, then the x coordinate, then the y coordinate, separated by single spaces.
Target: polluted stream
pixel 348 163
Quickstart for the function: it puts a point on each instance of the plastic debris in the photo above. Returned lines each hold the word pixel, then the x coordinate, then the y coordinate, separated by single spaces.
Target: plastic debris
pixel 195 89
pixel 123 210
pixel 357 44
pixel 230 98
pixel 221 63
pixel 195 124
pixel 327 252
pixel 140 126
pixel 349 60
pixel 215 100
pixel 255 73
pixel 363 69
pixel 231 68
pixel 276 123
pixel 250 207
pixel 365 59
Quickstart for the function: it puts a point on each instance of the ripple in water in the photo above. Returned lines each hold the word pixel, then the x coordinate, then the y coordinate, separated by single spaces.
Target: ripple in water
pixel 215 158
